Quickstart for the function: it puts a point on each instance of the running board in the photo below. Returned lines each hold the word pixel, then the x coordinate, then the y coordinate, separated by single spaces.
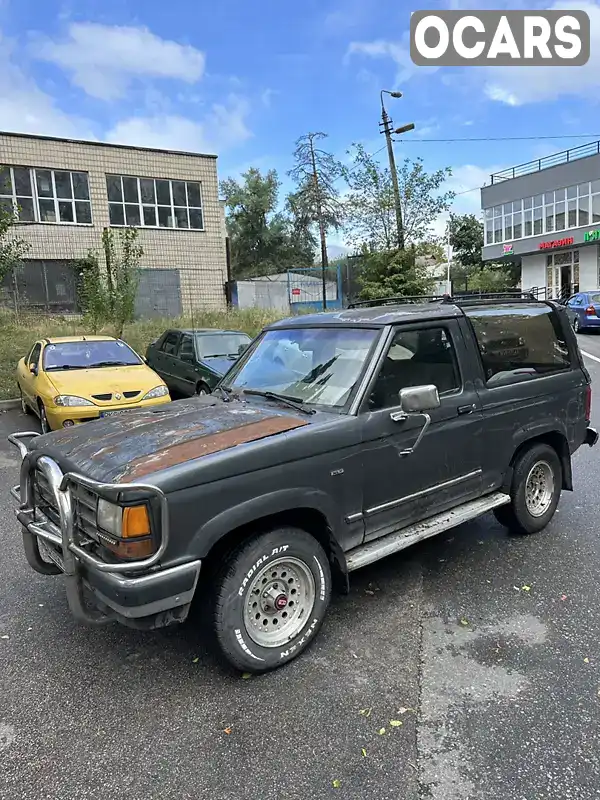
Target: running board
pixel 393 542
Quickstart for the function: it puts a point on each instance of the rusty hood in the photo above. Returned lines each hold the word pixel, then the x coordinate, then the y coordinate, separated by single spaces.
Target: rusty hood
pixel 132 446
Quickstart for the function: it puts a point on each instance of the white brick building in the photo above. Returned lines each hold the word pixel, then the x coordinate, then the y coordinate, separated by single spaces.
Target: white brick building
pixel 68 191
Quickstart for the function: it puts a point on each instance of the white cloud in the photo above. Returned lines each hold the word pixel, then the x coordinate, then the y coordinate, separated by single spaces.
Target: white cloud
pixel 25 108
pixel 517 86
pixel 513 86
pixel 104 59
pixel 398 51
pixel 466 181
pixel 223 127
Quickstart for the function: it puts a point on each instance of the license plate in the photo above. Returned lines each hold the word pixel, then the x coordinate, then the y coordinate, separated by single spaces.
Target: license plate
pixel 118 411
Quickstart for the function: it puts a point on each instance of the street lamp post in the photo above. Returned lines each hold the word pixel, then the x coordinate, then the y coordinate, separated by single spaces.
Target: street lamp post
pixel 386 128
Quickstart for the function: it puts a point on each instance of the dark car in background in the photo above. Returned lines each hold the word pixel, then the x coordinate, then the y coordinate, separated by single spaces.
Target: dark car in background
pixel 583 310
pixel 194 361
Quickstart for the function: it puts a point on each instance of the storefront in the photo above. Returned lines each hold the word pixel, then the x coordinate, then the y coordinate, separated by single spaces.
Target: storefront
pixel 545 215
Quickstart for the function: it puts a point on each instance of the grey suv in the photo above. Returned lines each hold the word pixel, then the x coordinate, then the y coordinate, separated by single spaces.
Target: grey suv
pixel 335 440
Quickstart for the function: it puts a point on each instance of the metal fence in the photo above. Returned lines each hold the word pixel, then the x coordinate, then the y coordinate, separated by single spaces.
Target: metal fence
pixel 53 287
pixel 564 157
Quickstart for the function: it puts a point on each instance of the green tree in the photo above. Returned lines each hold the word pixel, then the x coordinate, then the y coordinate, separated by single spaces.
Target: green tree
pixel 122 255
pixel 108 288
pixel 264 239
pixel 12 248
pixel 315 173
pixel 92 293
pixel 465 235
pixel 422 198
pixel 369 206
pixel 393 273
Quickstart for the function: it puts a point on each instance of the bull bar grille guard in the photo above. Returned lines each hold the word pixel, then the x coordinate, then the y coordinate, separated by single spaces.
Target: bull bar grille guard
pixel 66 538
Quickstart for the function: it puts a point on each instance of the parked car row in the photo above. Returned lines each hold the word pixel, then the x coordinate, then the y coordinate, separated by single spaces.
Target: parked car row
pixel 73 379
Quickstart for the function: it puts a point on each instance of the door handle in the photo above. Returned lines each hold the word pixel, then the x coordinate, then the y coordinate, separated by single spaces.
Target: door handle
pixel 466 409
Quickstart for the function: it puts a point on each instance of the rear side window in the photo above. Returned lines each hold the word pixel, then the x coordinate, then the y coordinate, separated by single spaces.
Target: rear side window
pixel 169 344
pixel 520 342
pixel 595 298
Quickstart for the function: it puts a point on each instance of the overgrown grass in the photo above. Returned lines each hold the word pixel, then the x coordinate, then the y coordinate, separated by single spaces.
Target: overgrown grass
pixel 19 332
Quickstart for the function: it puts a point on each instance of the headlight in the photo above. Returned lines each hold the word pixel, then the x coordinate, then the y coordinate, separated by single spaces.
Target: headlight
pixel 71 400
pixel 158 391
pixel 123 522
pixel 109 517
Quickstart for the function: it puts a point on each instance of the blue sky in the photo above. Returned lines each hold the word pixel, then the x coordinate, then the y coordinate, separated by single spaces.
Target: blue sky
pixel 246 79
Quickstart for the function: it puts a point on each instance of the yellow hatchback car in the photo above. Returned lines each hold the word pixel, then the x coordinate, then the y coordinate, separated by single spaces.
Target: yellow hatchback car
pixel 75 379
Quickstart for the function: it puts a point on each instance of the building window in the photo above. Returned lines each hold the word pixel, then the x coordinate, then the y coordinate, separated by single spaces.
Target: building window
pixel 16 195
pixel 45 195
pixel 559 210
pixel 154 203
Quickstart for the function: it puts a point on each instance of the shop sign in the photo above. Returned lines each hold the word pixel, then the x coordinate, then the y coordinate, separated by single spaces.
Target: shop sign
pixel 507 250
pixel 591 236
pixel 557 243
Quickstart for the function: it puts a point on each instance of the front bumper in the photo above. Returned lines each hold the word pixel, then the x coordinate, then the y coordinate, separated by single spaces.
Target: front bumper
pixel 58 415
pixel 140 594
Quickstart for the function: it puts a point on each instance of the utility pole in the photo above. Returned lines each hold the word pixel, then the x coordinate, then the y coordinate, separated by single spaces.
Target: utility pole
pixel 322 232
pixel 386 129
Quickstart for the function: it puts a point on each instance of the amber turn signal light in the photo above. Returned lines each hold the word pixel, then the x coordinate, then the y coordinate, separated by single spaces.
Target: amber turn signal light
pixel 136 522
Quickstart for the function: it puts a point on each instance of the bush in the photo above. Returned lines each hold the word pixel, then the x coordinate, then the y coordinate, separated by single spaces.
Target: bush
pixel 393 273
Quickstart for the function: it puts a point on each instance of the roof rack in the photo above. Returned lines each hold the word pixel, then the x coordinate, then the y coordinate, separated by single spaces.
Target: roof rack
pixel 465 298
pixel 398 301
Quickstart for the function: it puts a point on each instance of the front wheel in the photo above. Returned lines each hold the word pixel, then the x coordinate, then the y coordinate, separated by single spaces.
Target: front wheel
pixel 202 390
pixel 271 599
pixel 535 491
pixel 44 424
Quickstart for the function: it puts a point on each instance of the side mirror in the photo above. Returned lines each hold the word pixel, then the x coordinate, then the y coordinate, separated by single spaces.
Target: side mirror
pixel 33 369
pixel 416 400
pixel 419 399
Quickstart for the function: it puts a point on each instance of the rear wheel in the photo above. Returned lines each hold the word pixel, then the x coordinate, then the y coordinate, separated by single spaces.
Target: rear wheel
pixel 45 425
pixel 202 389
pixel 535 491
pixel 271 598
pixel 577 325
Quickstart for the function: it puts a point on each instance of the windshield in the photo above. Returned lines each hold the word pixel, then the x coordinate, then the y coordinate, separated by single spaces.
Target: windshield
pixel 88 355
pixel 310 365
pixel 220 344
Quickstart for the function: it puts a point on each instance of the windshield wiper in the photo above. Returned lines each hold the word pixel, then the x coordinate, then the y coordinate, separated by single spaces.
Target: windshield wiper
pixel 288 401
pixel 60 367
pixel 111 364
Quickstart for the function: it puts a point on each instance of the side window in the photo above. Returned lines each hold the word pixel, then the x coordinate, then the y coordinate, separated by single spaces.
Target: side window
pixel 578 300
pixel 416 358
pixel 519 343
pixel 34 356
pixel 169 345
pixel 186 349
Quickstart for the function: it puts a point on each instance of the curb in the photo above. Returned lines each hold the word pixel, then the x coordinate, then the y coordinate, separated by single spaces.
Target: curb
pixel 7 405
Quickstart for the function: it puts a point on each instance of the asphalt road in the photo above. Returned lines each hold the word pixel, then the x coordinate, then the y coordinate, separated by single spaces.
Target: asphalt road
pixel 484 646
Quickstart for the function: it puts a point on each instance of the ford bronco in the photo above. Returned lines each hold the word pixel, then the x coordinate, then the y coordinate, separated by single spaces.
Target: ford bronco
pixel 335 440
